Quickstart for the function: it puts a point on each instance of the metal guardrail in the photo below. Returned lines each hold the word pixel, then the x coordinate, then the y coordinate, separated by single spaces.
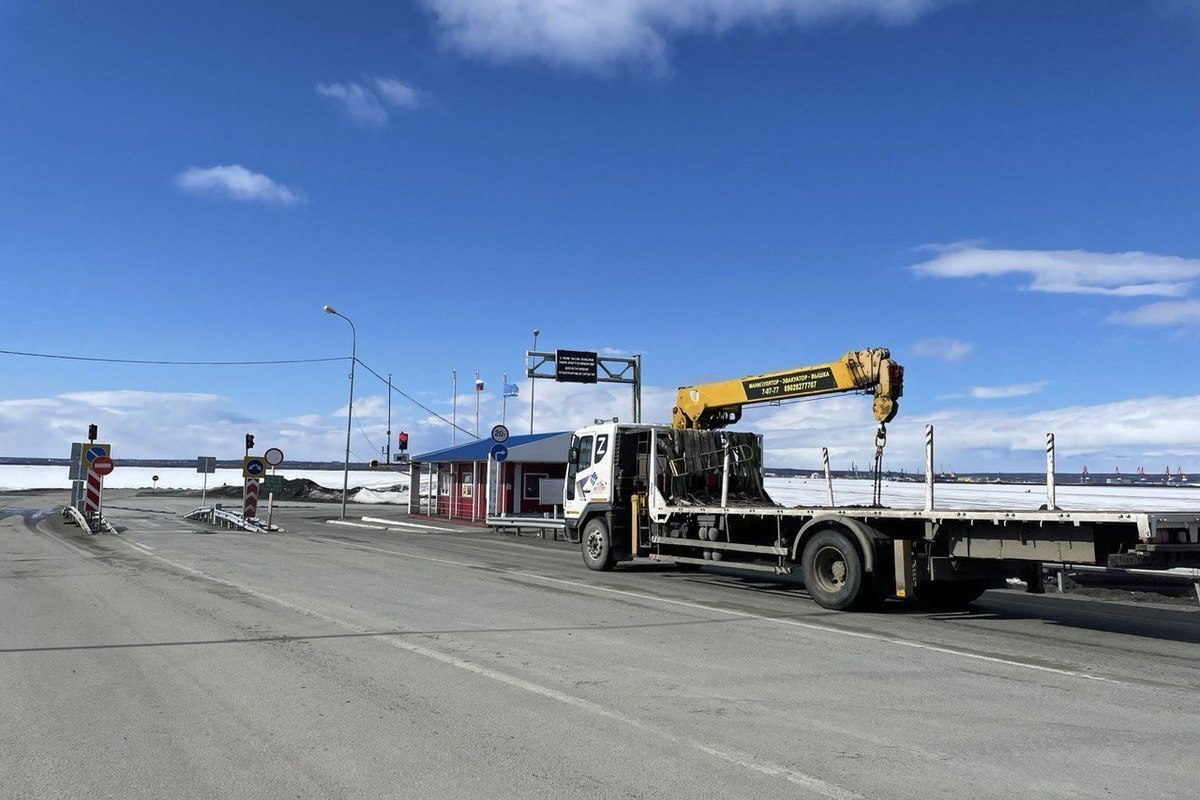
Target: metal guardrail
pixel 73 514
pixel 519 523
pixel 226 519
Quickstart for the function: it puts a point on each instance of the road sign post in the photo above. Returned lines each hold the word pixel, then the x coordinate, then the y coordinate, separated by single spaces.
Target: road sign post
pixel 274 457
pixel 205 465
pixel 101 465
pixel 75 474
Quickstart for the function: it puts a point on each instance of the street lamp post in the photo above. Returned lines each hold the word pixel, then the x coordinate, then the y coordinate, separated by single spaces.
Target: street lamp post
pixel 350 405
pixel 532 384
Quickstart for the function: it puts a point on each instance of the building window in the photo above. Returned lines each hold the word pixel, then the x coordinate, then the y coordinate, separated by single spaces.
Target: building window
pixel 533 485
pixel 468 485
pixel 444 483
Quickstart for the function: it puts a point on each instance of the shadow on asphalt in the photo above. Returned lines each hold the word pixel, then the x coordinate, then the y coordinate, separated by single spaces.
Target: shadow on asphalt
pixel 364 635
pixel 1168 622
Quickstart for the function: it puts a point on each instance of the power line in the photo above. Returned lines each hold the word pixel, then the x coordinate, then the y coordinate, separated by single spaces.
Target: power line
pixel 416 402
pixel 59 357
pixel 159 362
pixel 363 431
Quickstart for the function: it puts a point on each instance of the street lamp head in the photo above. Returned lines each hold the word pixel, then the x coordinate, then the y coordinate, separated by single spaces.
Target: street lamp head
pixel 536 332
pixel 329 310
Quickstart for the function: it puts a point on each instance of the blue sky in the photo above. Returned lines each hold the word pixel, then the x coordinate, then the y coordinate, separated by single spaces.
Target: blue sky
pixel 1003 193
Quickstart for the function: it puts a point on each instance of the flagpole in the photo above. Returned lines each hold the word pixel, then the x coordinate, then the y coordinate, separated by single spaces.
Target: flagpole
pixel 478 391
pixel 504 400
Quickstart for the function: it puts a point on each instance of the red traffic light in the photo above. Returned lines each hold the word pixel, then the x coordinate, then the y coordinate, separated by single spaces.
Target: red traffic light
pixel 403 440
pixel 249 442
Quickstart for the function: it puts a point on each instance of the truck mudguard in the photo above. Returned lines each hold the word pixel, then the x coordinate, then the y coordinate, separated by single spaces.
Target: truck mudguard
pixel 864 533
pixel 585 513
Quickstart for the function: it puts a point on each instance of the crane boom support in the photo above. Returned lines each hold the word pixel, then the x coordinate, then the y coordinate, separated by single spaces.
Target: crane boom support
pixel 715 405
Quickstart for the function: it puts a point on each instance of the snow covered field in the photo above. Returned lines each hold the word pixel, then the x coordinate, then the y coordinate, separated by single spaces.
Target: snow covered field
pixel 787 491
pixel 37 477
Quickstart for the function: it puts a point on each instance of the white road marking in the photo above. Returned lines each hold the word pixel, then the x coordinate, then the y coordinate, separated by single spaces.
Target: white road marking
pixel 747 761
pixel 347 523
pixel 391 523
pixel 814 626
pixel 139 546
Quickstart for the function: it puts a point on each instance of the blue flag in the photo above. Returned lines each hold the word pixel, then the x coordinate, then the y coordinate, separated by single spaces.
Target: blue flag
pixel 511 390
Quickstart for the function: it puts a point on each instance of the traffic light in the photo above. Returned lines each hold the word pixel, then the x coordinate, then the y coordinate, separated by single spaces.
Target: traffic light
pixel 92 433
pixel 403 440
pixel 249 442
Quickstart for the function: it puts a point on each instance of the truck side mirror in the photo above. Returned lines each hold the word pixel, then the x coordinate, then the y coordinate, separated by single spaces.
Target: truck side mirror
pixel 573 455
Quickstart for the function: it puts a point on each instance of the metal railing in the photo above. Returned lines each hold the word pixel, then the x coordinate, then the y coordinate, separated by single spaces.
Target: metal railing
pixel 226 519
pixel 73 514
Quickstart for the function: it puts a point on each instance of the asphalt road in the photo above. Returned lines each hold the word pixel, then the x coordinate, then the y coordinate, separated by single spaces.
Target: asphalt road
pixel 432 661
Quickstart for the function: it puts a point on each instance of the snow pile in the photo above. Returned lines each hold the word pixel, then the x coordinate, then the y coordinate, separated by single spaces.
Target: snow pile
pixel 381 496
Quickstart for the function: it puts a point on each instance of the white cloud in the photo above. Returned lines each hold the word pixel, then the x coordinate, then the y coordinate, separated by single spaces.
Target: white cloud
pixel 1127 432
pixel 1012 390
pixel 367 103
pixel 396 94
pixel 142 424
pixel 1179 312
pixel 595 35
pixel 950 350
pixel 235 182
pixel 359 102
pixel 1131 274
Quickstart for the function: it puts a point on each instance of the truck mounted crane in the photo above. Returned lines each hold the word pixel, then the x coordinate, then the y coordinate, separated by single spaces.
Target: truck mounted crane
pixel 715 405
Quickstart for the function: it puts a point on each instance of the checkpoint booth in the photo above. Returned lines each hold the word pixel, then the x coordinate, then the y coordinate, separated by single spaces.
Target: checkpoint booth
pixel 464 484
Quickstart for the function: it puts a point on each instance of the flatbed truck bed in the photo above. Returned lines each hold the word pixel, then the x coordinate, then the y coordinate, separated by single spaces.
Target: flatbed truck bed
pixel 641 505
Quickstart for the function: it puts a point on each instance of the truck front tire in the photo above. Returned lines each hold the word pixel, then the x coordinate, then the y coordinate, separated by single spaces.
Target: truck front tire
pixel 597 545
pixel 833 570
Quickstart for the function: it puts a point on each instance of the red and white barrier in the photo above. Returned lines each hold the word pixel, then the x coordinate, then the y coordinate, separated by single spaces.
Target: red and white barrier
pixel 250 499
pixel 91 495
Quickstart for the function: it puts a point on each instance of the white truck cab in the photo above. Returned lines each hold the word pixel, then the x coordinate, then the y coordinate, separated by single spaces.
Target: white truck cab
pixel 589 469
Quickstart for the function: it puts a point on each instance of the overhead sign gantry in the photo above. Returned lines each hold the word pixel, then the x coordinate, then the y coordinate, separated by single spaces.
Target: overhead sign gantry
pixel 587 366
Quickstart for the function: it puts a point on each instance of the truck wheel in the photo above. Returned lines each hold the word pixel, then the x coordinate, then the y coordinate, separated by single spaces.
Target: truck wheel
pixel 597 545
pixel 833 570
pixel 949 595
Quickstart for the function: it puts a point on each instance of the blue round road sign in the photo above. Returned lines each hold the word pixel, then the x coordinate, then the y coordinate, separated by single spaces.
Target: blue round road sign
pixel 94 452
pixel 255 467
pixel 499 452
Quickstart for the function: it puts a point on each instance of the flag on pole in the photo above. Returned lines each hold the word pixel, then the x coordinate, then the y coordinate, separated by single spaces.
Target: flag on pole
pixel 478 384
pixel 511 390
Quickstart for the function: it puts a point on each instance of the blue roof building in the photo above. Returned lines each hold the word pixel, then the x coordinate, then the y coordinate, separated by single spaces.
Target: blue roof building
pixel 466 484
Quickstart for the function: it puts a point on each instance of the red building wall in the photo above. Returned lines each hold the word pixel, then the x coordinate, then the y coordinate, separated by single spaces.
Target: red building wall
pixel 457 506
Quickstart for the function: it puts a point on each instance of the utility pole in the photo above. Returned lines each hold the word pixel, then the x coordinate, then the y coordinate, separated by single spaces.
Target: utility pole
pixel 454 407
pixel 532 384
pixel 387 451
pixel 504 402
pixel 478 391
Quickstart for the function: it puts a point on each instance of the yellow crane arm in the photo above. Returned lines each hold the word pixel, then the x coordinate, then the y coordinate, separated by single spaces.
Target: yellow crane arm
pixel 715 405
